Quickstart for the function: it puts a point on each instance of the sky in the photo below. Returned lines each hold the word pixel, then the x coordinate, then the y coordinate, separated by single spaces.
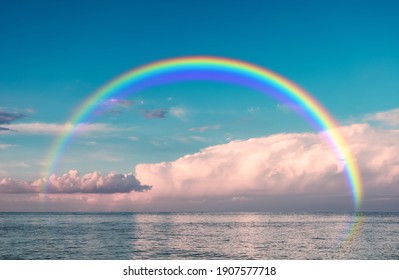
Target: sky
pixel 197 145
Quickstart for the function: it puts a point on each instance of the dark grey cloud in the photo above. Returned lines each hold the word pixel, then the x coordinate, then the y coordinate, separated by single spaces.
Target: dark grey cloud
pixel 7 118
pixel 155 114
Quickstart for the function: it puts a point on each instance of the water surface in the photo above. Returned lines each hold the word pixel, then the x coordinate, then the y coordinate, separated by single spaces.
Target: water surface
pixel 197 236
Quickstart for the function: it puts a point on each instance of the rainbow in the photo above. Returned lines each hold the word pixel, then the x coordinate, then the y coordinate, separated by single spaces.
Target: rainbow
pixel 220 69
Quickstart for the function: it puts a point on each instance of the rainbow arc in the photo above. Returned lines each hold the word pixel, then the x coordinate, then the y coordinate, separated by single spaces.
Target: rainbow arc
pixel 219 69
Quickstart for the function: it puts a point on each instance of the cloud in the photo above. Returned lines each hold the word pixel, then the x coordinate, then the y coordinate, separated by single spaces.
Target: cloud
pixel 72 182
pixel 239 198
pixel 199 139
pixel 20 164
pixel 6 146
pixel 8 185
pixel 134 138
pixel 113 106
pixel 204 128
pixel 7 118
pixel 178 112
pixel 54 128
pixel 155 114
pixel 389 118
pixel 253 109
pixel 288 107
pixel 272 165
pixel 290 169
pixel 122 102
pixel 281 164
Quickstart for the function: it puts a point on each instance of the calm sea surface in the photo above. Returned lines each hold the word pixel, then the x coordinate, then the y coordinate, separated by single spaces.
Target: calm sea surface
pixel 198 236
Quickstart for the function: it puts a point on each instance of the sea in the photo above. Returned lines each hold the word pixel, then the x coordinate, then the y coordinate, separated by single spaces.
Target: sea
pixel 193 236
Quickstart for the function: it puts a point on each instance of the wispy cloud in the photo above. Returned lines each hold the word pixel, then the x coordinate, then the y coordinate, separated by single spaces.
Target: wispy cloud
pixel 199 139
pixel 7 118
pixel 253 109
pixel 73 182
pixel 113 106
pixel 155 114
pixel 204 128
pixel 20 164
pixel 389 118
pixel 187 139
pixel 6 146
pixel 54 128
pixel 123 102
pixel 239 198
pixel 178 112
pixel 288 107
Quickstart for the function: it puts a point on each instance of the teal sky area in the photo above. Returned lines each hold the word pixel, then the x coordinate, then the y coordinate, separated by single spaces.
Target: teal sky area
pixel 55 54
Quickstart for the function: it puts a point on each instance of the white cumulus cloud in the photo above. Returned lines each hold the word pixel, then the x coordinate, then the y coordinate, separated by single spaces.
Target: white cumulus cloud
pixel 292 163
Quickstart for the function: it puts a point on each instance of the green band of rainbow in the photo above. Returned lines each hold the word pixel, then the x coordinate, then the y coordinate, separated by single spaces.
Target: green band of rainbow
pixel 288 89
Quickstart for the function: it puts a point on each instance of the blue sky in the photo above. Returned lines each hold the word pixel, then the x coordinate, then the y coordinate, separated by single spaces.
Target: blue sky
pixel 55 54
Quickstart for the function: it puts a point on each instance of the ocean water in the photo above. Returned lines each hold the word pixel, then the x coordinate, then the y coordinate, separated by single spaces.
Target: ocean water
pixel 198 236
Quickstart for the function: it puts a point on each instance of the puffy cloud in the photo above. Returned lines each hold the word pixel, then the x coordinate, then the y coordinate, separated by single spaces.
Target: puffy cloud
pixel 8 185
pixel 54 128
pixel 389 118
pixel 155 114
pixel 277 164
pixel 72 182
pixel 294 163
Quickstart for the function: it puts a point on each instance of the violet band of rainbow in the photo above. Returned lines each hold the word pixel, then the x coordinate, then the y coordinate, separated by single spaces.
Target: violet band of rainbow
pixel 289 91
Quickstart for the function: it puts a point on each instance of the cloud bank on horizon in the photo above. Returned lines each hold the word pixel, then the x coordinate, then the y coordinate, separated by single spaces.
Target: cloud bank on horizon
pixel 293 164
pixel 72 182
